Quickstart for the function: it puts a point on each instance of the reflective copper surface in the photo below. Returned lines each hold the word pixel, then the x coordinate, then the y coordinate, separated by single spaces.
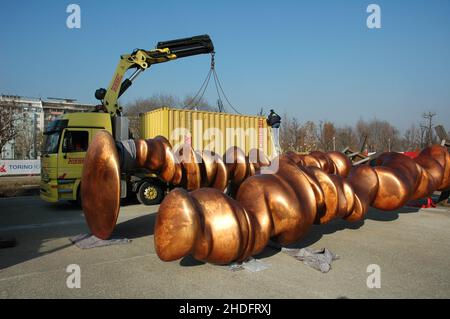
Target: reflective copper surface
pixel 317 187
pixel 177 225
pixel 100 185
pixel 183 167
pixel 213 227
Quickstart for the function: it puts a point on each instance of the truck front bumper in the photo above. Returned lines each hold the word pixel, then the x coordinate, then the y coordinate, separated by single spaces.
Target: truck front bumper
pixel 49 191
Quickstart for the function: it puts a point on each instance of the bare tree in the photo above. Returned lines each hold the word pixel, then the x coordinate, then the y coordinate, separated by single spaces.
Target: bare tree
pixel 427 128
pixel 379 135
pixel 29 139
pixel 8 127
pixel 24 144
pixel 326 135
pixel 198 104
pixel 412 138
pixel 287 135
pixel 154 102
pixel 346 137
pixel 292 135
pixel 362 132
pixel 311 141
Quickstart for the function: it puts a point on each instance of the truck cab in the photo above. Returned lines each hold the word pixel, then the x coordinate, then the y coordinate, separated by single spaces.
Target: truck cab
pixel 66 142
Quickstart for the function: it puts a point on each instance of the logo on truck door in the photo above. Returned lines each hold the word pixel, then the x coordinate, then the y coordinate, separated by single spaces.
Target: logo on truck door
pixel 76 160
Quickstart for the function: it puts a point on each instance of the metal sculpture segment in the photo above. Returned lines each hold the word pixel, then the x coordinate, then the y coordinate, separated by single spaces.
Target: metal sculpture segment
pixel 306 189
pixel 184 167
pixel 200 219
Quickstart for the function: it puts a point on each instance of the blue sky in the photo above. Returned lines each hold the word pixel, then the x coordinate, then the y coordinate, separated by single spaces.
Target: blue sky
pixel 315 60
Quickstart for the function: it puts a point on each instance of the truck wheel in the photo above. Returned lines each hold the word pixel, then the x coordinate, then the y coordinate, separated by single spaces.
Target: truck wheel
pixel 150 194
pixel 77 202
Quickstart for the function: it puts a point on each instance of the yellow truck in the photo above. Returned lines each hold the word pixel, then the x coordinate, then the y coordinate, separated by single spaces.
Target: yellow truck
pixel 68 137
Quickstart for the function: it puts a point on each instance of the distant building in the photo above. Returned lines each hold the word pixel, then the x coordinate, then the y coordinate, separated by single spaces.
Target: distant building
pixel 33 116
pixel 53 107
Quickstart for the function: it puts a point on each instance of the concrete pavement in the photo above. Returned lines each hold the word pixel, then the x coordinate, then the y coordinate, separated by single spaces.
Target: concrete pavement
pixel 412 248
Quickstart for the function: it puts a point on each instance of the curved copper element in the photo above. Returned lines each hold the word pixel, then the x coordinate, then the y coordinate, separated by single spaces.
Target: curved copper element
pixel 213 227
pixel 168 169
pixel 237 166
pixel 258 158
pixel 100 186
pixel 191 177
pixel 317 187
pixel 183 167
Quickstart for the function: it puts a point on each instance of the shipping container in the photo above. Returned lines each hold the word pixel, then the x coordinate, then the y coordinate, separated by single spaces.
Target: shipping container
pixel 205 130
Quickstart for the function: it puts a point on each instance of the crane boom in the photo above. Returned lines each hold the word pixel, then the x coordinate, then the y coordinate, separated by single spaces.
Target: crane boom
pixel 140 60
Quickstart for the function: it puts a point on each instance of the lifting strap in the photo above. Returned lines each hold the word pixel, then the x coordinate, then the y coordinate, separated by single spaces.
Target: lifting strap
pixel 200 93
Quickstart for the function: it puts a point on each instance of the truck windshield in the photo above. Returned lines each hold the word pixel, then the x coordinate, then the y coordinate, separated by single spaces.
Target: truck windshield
pixel 52 135
pixel 52 142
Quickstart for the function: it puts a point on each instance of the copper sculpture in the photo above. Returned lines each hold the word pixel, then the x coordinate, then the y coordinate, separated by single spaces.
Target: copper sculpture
pixel 307 189
pixel 184 167
pixel 216 228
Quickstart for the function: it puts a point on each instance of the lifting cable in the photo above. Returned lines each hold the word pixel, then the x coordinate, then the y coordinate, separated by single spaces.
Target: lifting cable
pixel 218 87
pixel 201 90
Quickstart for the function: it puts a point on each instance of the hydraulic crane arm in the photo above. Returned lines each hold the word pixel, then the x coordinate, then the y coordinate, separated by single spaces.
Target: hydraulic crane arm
pixel 140 60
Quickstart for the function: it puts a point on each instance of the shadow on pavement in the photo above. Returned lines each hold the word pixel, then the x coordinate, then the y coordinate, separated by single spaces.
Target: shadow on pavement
pixel 137 227
pixel 189 261
pixel 33 223
pixel 318 231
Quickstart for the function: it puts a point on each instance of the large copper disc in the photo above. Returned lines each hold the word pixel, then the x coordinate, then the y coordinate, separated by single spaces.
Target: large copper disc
pixel 252 195
pixel 177 225
pixel 208 168
pixel 168 169
pixel 364 182
pixel 221 178
pixel 222 233
pixel 341 162
pixel 393 189
pixel 100 185
pixel 310 160
pixel 324 161
pixel 331 196
pixel 236 163
pixel 317 189
pixel 296 211
pixel 297 158
pixel 440 154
